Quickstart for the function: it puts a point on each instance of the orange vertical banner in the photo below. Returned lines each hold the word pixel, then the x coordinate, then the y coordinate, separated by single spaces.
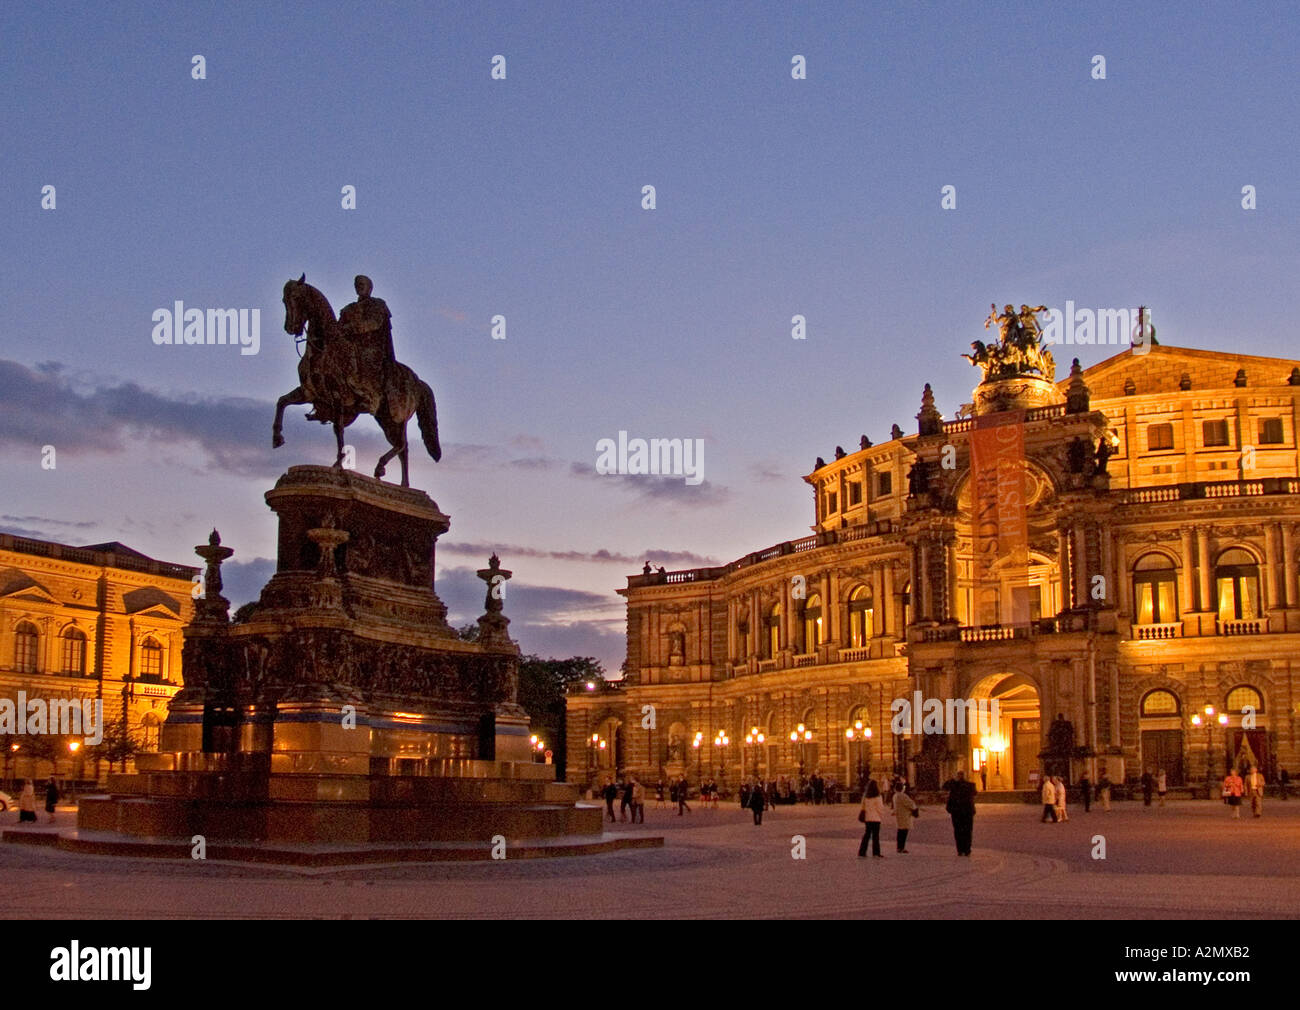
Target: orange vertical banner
pixel 1000 523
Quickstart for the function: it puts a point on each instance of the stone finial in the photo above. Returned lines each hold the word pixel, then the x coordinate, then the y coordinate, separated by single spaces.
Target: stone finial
pixel 493 623
pixel 839 452
pixel 865 443
pixel 895 432
pixel 1130 387
pixel 1240 380
pixel 212 606
pixel 819 464
pixel 1185 381
pixel 929 420
pixel 1078 397
pixel 1294 378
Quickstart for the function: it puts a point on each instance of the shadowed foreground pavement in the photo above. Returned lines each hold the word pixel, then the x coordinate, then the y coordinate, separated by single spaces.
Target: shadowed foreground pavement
pixel 1187 860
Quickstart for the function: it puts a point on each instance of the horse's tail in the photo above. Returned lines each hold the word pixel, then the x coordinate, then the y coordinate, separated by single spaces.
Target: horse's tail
pixel 427 413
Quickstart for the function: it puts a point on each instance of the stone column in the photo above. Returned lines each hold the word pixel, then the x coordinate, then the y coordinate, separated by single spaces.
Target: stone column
pixel 1187 586
pixel 1204 600
pixel 1063 563
pixel 831 607
pixel 1270 572
pixel 921 584
pixel 755 626
pixel 880 599
pixel 1288 567
pixel 1080 565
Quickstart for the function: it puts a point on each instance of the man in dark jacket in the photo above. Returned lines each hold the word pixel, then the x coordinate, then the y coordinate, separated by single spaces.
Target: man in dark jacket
pixel 1085 786
pixel 961 806
pixel 610 794
pixel 757 803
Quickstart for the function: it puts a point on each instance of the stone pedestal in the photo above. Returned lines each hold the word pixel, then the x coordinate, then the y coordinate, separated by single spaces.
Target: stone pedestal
pixel 344 707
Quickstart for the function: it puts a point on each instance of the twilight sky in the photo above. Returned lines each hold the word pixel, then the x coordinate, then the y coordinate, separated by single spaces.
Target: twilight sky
pixel 523 197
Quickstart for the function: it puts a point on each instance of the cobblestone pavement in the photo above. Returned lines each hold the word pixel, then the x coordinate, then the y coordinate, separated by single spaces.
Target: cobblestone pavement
pixel 1187 860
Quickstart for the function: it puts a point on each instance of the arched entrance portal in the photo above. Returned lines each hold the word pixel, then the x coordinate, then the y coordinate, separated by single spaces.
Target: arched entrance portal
pixel 1007 758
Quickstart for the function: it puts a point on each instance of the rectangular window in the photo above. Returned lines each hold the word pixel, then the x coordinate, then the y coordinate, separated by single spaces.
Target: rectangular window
pixel 884 485
pixel 1214 433
pixel 831 503
pixel 1160 437
pixel 1270 431
pixel 855 493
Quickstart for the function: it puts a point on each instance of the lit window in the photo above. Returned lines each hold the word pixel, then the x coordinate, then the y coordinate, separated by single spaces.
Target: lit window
pixel 151 657
pixel 25 639
pixel 1236 578
pixel 1160 703
pixel 1241 698
pixel 862 617
pixel 1155 590
pixel 74 652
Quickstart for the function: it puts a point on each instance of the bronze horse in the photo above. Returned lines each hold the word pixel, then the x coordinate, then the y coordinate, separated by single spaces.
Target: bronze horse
pixel 341 381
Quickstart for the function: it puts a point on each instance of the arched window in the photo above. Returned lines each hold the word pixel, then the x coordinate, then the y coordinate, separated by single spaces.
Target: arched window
pixel 150 725
pixel 25 642
pixel 1160 703
pixel 862 617
pixel 74 653
pixel 812 623
pixel 151 660
pixel 1242 697
pixel 1236 579
pixel 773 631
pixel 1155 590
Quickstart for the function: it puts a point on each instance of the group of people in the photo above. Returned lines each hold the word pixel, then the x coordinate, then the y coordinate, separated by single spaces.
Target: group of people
pixel 631 796
pixel 27 801
pixel 898 801
pixel 1053 796
pixel 1251 786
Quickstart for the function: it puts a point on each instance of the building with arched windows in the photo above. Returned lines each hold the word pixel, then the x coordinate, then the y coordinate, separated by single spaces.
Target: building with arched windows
pixel 98 622
pixel 1114 559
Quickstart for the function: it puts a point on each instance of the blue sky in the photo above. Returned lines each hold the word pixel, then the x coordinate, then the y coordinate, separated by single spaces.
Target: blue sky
pixel 522 197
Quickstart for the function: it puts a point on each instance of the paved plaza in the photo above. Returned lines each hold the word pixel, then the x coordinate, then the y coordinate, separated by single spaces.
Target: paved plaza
pixel 1187 860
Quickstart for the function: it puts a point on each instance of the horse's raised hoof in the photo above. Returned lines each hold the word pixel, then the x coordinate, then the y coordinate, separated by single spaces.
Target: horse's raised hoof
pixel 277 440
pixel 379 472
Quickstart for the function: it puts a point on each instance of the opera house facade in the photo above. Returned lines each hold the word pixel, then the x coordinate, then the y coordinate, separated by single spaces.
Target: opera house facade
pixel 1114 558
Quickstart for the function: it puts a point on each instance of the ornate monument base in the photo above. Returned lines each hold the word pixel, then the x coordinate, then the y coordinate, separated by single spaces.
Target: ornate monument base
pixel 343 708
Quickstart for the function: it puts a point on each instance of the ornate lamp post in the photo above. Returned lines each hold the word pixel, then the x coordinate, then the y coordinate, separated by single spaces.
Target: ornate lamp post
pixel 753 739
pixel 699 739
pixel 1208 722
pixel 858 737
pixel 594 746
pixel 800 736
pixel 721 741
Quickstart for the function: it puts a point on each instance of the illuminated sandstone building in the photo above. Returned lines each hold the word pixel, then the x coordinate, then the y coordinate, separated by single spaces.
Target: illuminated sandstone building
pixel 102 621
pixel 1135 562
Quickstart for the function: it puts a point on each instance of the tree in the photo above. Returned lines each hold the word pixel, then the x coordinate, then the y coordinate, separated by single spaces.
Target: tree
pixel 118 745
pixel 543 684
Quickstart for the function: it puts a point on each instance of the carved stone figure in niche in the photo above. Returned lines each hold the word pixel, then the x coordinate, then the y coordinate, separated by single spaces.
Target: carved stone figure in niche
pixel 1060 736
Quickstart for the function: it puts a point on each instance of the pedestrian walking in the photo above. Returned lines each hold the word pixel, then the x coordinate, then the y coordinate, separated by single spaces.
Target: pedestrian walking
pixel 961 807
pixel 757 804
pixel 638 802
pixel 682 789
pixel 1162 785
pixel 871 814
pixel 1048 796
pixel 659 793
pixel 51 798
pixel 626 801
pixel 610 793
pixel 1148 785
pixel 1103 791
pixel 27 803
pixel 1062 814
pixel 1233 787
pixel 1255 786
pixel 905 811
pixel 1085 787
pixel 1284 780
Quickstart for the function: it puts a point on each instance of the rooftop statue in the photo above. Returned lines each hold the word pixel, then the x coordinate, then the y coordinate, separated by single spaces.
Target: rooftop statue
pixel 348 369
pixel 1020 349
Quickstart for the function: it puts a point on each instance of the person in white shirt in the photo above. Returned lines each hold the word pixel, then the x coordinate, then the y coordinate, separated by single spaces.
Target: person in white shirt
pixel 1061 815
pixel 1049 800
pixel 873 812
pixel 1162 785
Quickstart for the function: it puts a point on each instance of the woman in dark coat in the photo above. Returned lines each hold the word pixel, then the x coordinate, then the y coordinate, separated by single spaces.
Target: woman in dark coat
pixel 757 803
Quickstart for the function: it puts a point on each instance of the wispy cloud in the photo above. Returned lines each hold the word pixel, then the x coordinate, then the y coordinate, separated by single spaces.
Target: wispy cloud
pixel 507 551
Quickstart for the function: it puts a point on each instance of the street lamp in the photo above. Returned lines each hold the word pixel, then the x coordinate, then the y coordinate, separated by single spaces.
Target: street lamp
pixel 1208 722
pixel 594 746
pixel 753 739
pixel 858 735
pixel 721 741
pixel 800 736
pixel 699 739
